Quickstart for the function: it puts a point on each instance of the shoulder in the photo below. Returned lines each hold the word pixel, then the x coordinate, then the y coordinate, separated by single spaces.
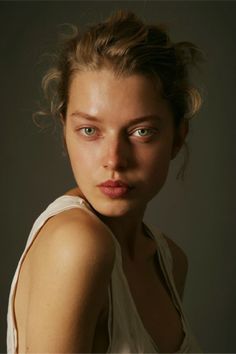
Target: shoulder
pixel 70 267
pixel 74 237
pixel 180 265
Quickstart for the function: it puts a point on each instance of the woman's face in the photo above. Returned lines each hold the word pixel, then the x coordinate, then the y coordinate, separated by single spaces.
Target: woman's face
pixel 119 134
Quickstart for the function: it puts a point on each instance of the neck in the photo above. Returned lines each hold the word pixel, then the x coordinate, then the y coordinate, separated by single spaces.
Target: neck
pixel 130 234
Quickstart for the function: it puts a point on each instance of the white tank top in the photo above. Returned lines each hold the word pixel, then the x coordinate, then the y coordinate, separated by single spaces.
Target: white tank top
pixel 127 333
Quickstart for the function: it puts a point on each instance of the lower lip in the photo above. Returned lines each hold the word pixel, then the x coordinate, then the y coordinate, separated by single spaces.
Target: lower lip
pixel 114 192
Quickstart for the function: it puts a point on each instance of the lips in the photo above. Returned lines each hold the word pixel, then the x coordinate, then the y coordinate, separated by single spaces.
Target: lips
pixel 114 184
pixel 114 189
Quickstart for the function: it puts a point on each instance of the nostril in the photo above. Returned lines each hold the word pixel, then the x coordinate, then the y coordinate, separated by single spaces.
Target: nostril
pixel 116 153
pixel 115 163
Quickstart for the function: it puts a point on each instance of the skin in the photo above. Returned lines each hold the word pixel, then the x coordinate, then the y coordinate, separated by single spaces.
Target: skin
pixel 105 141
pixel 68 277
pixel 56 310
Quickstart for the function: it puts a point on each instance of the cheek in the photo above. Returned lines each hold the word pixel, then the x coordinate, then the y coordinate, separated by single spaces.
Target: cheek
pixel 78 158
pixel 82 158
pixel 156 166
pixel 158 158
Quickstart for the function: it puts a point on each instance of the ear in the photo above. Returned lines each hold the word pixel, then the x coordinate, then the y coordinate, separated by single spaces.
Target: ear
pixel 179 138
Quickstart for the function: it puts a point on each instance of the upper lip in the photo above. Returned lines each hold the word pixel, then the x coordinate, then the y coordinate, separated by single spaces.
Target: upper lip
pixel 114 183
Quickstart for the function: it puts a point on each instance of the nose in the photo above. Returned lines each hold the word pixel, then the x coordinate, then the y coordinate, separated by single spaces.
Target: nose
pixel 116 151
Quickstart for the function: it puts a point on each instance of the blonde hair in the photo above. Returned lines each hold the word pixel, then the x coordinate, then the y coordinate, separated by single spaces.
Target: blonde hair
pixel 126 45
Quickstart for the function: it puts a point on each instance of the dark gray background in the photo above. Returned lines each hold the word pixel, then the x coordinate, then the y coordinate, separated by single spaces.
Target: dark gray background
pixel 198 214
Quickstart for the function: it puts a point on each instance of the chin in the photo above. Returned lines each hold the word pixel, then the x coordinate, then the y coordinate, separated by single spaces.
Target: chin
pixel 116 208
pixel 112 212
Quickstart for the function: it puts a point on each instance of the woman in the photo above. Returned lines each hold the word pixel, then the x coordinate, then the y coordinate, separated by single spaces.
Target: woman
pixel 93 277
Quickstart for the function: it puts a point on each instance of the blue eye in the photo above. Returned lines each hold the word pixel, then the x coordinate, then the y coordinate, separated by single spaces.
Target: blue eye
pixel 143 132
pixel 89 131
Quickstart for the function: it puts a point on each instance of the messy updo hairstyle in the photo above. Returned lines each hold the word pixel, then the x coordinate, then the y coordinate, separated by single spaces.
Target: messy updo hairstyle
pixel 126 45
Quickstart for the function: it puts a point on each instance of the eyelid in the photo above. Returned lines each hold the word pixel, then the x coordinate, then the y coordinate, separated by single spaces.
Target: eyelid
pixel 151 130
pixel 81 130
pixel 84 128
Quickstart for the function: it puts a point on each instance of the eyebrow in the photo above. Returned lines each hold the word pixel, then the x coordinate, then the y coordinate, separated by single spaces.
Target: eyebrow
pixel 78 114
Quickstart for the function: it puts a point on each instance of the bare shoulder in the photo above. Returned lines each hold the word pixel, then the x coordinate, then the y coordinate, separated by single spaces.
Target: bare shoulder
pixel 73 233
pixel 71 242
pixel 70 268
pixel 180 265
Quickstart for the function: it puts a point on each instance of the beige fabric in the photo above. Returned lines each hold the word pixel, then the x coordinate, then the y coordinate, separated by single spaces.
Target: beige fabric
pixel 126 330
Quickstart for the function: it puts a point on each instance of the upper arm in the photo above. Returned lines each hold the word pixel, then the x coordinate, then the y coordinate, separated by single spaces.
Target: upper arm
pixel 70 273
pixel 180 266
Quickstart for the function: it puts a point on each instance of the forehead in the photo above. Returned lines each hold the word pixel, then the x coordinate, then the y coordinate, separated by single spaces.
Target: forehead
pixel 103 93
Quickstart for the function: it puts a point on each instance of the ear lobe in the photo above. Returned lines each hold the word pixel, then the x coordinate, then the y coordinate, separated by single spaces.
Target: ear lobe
pixel 180 136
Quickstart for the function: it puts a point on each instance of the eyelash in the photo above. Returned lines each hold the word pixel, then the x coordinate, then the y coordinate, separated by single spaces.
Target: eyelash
pixel 151 131
pixel 83 129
